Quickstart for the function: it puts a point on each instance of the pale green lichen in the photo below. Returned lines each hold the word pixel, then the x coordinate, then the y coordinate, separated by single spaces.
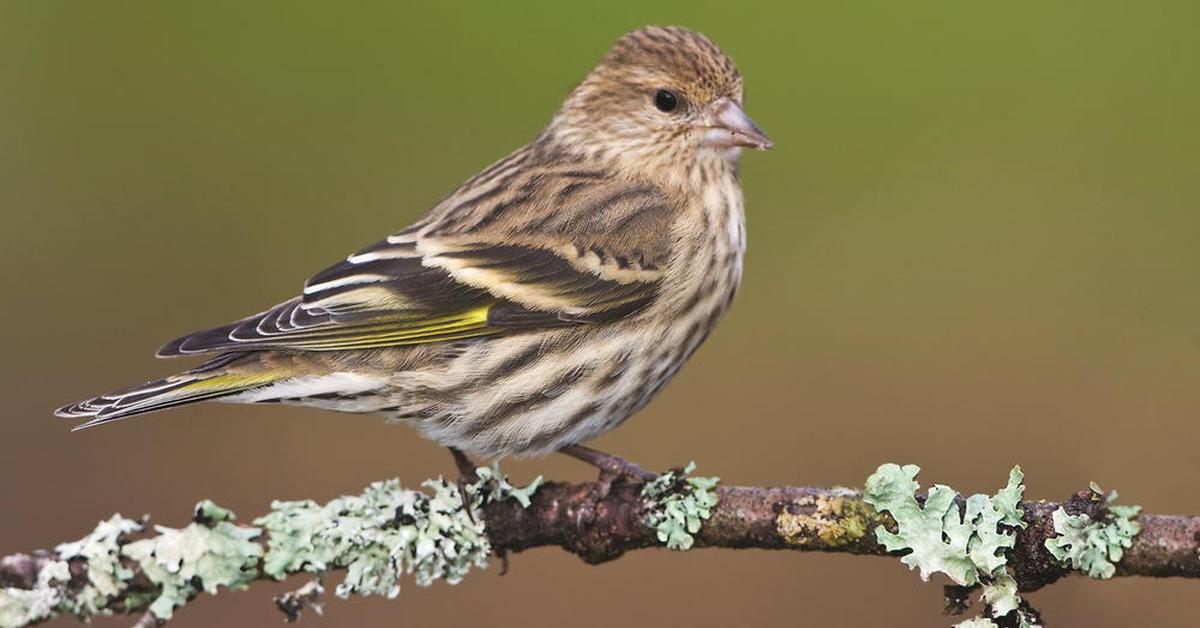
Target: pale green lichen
pixel 494 485
pixel 937 536
pixel 388 531
pixel 1094 547
pixel 184 561
pixel 106 577
pixel 969 547
pixel 676 507
pixel 20 607
pixel 207 511
pixel 376 536
pixel 50 594
pixel 1000 594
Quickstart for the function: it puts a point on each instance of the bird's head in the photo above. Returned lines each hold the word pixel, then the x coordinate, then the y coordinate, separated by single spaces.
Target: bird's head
pixel 662 95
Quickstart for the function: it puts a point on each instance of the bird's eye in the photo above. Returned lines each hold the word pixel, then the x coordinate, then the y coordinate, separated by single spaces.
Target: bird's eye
pixel 666 100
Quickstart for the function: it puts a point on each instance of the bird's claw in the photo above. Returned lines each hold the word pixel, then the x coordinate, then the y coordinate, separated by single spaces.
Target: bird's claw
pixel 588 509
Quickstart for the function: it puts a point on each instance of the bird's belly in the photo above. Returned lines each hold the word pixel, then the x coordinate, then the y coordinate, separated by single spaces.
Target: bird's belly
pixel 535 393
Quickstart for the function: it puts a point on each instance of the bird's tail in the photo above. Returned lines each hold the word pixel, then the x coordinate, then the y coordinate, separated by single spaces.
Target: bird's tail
pixel 227 375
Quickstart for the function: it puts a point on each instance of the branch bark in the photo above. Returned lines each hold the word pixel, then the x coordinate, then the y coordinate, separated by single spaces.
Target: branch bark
pixel 782 518
pixel 815 519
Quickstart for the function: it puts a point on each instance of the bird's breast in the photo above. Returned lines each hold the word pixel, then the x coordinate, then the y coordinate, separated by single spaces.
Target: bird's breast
pixel 706 265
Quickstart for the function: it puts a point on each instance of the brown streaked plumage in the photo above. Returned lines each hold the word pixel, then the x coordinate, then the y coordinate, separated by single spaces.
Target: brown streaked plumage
pixel 539 305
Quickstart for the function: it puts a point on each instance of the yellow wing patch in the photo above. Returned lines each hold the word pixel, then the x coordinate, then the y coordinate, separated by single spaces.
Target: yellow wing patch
pixel 468 324
pixel 232 381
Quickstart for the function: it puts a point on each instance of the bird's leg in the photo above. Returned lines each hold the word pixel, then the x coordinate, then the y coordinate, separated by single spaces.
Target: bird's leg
pixel 607 463
pixel 611 468
pixel 466 468
pixel 466 475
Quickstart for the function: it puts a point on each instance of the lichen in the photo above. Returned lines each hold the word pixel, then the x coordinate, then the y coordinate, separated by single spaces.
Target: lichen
pixel 1094 547
pixel 20 607
pixel 376 536
pixel 181 562
pixel 388 531
pixel 206 511
pixel 836 521
pixel 676 507
pixel 106 577
pixel 1023 619
pixel 969 547
pixel 494 485
pixel 50 595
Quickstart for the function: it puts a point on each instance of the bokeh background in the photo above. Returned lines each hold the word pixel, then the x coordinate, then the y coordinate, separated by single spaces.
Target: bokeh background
pixel 975 245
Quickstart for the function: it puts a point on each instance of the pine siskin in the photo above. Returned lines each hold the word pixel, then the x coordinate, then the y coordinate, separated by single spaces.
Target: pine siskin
pixel 539 305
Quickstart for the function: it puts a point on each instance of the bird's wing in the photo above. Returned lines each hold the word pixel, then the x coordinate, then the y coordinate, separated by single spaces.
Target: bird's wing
pixel 515 248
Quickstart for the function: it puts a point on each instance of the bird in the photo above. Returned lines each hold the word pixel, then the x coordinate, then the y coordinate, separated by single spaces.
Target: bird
pixel 540 304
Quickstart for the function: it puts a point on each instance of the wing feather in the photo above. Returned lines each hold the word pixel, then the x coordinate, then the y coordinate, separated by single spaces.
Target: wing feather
pixel 523 245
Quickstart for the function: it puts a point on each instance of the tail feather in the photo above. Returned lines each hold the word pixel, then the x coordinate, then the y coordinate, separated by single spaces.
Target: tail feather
pixel 219 378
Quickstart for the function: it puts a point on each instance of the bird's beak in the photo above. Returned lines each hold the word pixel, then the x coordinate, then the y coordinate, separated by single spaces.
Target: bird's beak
pixel 727 126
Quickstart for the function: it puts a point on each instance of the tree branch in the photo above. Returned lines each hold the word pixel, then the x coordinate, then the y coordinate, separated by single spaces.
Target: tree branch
pixel 815 519
pixel 559 515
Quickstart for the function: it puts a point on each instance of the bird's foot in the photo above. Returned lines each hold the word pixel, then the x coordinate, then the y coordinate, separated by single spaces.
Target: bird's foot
pixel 466 477
pixel 588 509
pixel 612 468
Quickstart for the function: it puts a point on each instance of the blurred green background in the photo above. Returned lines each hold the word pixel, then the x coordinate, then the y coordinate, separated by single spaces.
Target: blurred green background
pixel 975 244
